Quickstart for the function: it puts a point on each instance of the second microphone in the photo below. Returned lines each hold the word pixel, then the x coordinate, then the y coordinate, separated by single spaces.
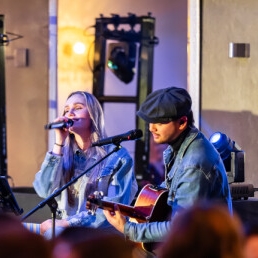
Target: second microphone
pixel 131 135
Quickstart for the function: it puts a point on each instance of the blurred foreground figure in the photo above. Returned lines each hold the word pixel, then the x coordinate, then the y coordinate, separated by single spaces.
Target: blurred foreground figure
pixel 18 242
pixel 204 231
pixel 251 240
pixel 82 242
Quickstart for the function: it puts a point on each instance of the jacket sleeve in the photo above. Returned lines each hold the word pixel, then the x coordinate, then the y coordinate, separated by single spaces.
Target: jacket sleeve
pixel 146 232
pixel 186 191
pixel 49 176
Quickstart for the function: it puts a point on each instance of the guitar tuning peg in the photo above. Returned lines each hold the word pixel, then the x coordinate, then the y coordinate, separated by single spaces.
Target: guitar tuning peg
pixel 98 194
pixel 101 193
pixel 92 211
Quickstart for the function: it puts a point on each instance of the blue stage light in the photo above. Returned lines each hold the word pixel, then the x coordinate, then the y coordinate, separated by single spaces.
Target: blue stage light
pixel 232 155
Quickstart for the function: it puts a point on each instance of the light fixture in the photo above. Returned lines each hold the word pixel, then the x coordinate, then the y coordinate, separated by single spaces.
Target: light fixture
pixel 232 155
pixel 79 48
pixel 5 39
pixel 121 60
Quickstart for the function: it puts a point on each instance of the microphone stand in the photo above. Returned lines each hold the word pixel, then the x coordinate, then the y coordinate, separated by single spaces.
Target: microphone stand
pixel 53 207
pixel 50 200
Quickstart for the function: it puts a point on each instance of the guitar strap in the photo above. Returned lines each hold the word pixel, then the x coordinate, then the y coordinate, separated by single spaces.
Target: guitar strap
pixel 107 173
pixel 104 181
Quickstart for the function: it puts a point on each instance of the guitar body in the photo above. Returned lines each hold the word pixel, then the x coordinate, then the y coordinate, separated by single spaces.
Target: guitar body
pixel 156 200
pixel 153 201
pixel 150 206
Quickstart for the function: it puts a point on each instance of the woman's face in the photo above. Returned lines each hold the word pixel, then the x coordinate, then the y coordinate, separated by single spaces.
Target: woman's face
pixel 75 109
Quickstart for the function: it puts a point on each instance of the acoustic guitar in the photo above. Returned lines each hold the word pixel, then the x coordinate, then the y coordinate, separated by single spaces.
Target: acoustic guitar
pixel 150 205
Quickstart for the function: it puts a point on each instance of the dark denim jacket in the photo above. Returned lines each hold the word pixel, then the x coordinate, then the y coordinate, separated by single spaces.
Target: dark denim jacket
pixel 197 174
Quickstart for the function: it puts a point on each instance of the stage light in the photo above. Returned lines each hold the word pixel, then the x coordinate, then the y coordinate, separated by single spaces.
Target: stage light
pixel 79 48
pixel 121 60
pixel 232 155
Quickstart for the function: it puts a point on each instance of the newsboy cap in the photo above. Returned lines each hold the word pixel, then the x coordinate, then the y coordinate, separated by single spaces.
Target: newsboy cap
pixel 165 105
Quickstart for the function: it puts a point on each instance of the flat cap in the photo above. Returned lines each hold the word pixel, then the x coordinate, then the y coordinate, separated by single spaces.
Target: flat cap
pixel 165 105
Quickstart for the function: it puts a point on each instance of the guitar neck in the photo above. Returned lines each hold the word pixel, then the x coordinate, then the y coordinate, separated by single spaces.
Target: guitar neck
pixel 139 213
pixel 150 205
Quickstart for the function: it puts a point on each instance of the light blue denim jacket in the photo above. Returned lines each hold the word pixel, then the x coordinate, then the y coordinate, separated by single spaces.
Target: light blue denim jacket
pixel 198 173
pixel 122 188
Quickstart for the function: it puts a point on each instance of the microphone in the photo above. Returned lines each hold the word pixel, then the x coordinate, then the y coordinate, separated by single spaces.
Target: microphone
pixel 131 135
pixel 59 125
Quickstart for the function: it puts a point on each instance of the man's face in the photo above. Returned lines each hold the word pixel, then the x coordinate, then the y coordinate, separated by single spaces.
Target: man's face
pixel 166 133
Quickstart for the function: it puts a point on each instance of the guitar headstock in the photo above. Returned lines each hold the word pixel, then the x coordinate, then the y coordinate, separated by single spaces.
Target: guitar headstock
pixel 95 197
pixel 94 201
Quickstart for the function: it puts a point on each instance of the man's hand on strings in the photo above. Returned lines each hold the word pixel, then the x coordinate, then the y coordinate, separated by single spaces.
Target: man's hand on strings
pixel 116 218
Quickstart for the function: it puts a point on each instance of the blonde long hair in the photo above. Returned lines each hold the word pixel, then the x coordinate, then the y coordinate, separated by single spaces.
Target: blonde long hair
pixel 97 132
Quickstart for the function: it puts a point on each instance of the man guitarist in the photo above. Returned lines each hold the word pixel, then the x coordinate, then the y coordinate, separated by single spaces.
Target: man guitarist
pixel 193 168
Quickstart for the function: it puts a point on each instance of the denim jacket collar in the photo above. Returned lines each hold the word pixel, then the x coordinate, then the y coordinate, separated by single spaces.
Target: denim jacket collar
pixel 169 152
pixel 189 138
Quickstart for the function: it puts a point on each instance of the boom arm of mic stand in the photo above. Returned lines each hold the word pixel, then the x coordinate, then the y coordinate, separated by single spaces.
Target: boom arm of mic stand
pixel 49 199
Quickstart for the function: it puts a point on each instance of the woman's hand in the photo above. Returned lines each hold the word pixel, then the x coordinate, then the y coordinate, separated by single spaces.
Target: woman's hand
pixel 47 224
pixel 61 133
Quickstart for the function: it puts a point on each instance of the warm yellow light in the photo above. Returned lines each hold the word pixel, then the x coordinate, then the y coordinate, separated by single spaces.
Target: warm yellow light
pixel 79 48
